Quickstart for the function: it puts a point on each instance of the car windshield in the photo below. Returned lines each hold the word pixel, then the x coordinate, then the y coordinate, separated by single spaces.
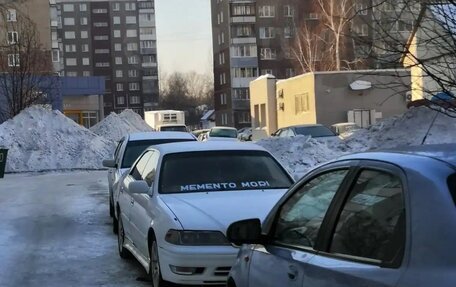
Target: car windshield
pixel 315 131
pixel 219 171
pixel 173 129
pixel 135 148
pixel 223 133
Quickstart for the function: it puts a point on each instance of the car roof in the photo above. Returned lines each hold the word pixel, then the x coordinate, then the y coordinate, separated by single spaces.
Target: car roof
pixel 159 135
pixel 304 126
pixel 174 125
pixel 224 128
pixel 206 146
pixel 441 152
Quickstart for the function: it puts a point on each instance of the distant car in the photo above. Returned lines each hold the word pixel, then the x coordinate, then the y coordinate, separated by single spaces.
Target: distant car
pixel 127 151
pixel 315 131
pixel 197 133
pixel 341 128
pixel 177 200
pixel 370 219
pixel 245 134
pixel 222 134
pixel 173 128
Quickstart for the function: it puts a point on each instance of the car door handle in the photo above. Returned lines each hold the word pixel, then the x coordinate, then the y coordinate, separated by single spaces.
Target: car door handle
pixel 292 272
pixel 132 201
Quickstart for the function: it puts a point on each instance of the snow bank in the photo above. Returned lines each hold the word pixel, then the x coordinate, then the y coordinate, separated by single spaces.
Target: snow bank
pixel 115 126
pixel 40 139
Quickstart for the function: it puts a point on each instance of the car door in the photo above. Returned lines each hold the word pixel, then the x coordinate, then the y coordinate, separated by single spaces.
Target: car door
pixel 112 171
pixel 125 197
pixel 366 235
pixel 294 234
pixel 141 212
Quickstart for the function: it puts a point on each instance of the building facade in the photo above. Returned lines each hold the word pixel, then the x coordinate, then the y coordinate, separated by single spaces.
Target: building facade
pixel 250 38
pixel 112 39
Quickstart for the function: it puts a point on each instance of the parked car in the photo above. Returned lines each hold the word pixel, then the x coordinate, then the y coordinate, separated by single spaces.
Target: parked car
pixel 197 133
pixel 341 128
pixel 222 134
pixel 177 200
pixel 173 128
pixel 127 151
pixel 369 219
pixel 245 134
pixel 315 131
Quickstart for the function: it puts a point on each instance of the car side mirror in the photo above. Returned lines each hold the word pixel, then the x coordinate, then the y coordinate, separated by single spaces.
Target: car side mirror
pixel 138 187
pixel 245 232
pixel 110 163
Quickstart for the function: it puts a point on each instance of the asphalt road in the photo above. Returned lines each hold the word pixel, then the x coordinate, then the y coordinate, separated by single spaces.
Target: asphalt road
pixel 55 230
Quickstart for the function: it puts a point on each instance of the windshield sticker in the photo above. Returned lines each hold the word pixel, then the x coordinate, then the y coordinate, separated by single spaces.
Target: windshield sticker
pixel 224 186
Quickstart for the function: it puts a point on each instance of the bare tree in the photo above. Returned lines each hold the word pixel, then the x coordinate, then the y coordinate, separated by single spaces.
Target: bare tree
pixel 25 66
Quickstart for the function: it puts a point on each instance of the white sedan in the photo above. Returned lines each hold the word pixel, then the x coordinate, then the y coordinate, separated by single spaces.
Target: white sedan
pixel 178 199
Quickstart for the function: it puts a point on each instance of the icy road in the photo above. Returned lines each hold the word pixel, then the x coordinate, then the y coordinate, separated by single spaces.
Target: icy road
pixel 55 230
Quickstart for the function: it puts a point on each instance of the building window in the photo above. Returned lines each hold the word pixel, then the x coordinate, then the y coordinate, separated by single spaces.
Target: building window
pixel 132 33
pixel 118 60
pixel 68 21
pixel 244 117
pixel 132 73
pixel 224 119
pixel 101 51
pixel 290 72
pixel 130 20
pixel 362 30
pixel 266 11
pixel 101 38
pixel 145 5
pixel 100 11
pixel 248 50
pixel 86 73
pixel 55 56
pixel 245 72
pixel 301 103
pixel 102 64
pixel 223 99
pixel 145 17
pixel 117 47
pixel 120 100
pixel 54 36
pixel 241 94
pixel 13 60
pixel 267 32
pixel 132 60
pixel 242 10
pixel 242 31
pixel 148 59
pixel 119 87
pixel 11 15
pixel 135 100
pixel 70 35
pixel 221 58
pixel 84 35
pixel 13 37
pixel 132 46
pixel 133 86
pixel 71 61
pixel 288 32
pixel 288 11
pixel 268 54
pixel 100 24
pixel 83 21
pixel 146 31
pixel 223 37
pixel 119 73
pixel 130 6
pixel 117 34
pixel 84 48
pixel 68 7
pixel 222 79
pixel 361 9
pixel 116 7
pixel 147 44
pixel 116 20
pixel 313 16
pixel 85 61
pixel 267 72
pixel 82 7
pixel 72 74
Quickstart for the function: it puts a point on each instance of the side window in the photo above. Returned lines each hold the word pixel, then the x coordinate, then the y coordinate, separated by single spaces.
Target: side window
pixel 151 168
pixel 284 133
pixel 116 153
pixel 139 167
pixel 301 216
pixel 372 222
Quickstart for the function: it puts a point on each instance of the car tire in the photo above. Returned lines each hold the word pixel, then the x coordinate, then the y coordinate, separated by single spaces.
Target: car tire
pixel 111 206
pixel 154 265
pixel 115 225
pixel 123 252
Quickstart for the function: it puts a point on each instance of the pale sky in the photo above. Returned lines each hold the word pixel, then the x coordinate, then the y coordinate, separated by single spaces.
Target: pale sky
pixel 184 38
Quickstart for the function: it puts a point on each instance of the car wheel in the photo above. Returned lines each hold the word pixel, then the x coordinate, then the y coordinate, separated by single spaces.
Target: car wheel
pixel 250 137
pixel 154 266
pixel 124 253
pixel 111 206
pixel 115 225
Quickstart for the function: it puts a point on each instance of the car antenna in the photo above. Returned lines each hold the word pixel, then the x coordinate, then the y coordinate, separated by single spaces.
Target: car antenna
pixel 430 127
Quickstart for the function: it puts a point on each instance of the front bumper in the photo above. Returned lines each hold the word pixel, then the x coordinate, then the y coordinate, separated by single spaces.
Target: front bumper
pixel 214 261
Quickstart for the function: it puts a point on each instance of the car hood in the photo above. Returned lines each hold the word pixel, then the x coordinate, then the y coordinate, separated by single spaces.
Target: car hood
pixel 217 210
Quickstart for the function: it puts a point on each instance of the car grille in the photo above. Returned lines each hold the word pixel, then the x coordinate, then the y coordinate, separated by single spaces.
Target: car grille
pixel 222 271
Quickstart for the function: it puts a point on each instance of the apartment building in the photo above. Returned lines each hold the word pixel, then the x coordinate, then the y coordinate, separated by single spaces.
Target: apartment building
pixel 250 38
pixel 112 39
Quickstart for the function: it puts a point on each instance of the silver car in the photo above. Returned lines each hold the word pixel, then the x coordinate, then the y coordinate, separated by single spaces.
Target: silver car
pixel 370 219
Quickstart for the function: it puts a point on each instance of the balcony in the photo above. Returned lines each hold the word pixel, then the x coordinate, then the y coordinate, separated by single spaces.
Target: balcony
pixel 241 82
pixel 149 65
pixel 241 104
pixel 148 51
pixel 147 37
pixel 249 40
pixel 243 19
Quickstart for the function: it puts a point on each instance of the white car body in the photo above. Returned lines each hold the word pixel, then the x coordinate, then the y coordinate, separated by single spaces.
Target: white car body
pixel 210 136
pixel 157 213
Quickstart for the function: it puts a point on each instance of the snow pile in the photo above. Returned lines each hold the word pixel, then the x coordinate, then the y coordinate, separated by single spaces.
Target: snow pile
pixel 40 139
pixel 405 130
pixel 115 126
pixel 299 154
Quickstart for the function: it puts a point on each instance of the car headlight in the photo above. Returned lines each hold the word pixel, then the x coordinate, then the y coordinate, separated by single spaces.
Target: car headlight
pixel 196 238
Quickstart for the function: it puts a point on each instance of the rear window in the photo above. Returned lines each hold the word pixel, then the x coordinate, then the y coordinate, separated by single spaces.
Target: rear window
pixel 173 129
pixel 452 186
pixel 135 149
pixel 314 132
pixel 221 171
pixel 223 133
